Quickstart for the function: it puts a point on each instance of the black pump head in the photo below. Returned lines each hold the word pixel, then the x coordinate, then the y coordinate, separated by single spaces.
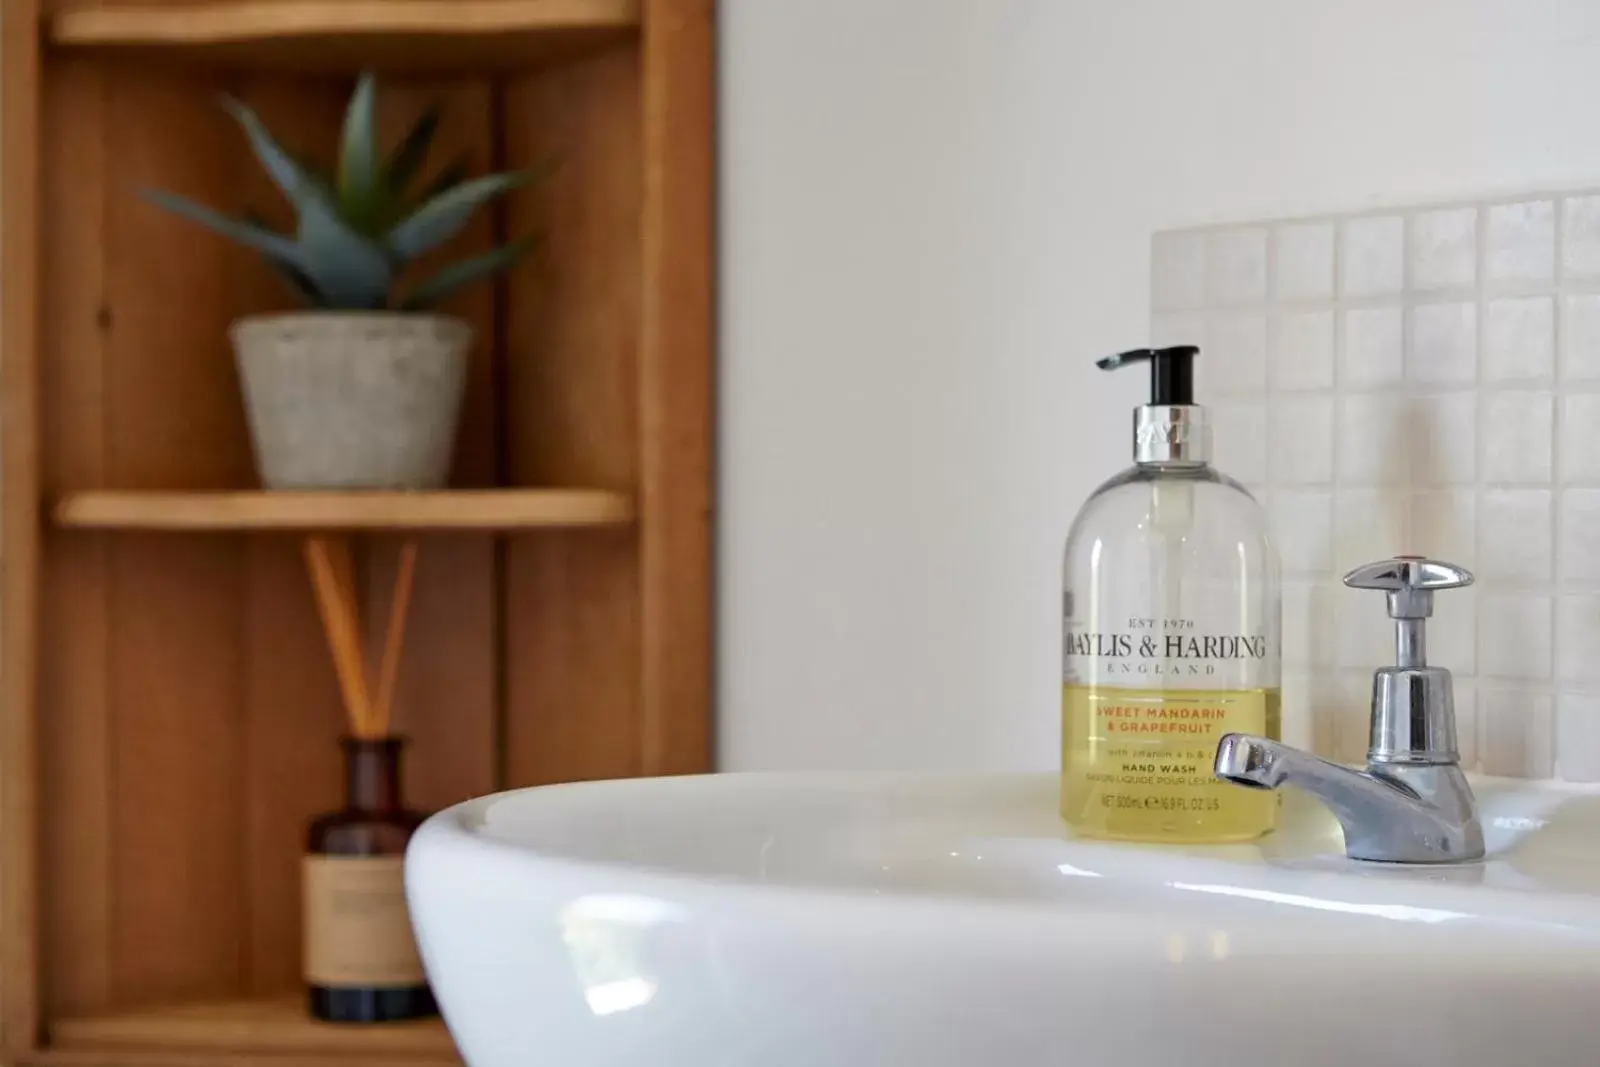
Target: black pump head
pixel 1171 371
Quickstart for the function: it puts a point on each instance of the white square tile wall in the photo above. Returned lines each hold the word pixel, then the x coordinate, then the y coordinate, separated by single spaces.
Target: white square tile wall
pixel 1417 380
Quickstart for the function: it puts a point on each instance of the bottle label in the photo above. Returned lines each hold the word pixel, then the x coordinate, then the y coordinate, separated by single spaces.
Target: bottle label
pixel 357 927
pixel 1172 647
pixel 1143 707
pixel 1140 761
pixel 1174 652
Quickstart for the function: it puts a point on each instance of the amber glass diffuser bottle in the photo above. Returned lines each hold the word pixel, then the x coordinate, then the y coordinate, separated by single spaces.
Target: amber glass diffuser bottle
pixel 361 961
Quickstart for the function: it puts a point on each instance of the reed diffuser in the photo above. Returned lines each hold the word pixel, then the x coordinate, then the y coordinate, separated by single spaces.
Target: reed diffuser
pixel 361 963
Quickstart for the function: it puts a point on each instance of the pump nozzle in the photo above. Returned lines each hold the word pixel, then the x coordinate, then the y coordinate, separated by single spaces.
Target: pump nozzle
pixel 1171 428
pixel 1171 371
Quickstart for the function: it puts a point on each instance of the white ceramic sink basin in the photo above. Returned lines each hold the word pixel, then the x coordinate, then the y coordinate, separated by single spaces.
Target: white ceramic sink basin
pixel 926 921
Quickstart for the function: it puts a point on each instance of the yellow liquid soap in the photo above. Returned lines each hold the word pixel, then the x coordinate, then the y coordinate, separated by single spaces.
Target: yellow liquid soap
pixel 1137 763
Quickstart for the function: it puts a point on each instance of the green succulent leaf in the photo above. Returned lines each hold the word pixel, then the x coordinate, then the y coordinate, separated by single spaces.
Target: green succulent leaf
pixel 454 173
pixel 252 231
pixel 350 270
pixel 320 180
pixel 297 182
pixel 359 193
pixel 289 270
pixel 457 275
pixel 298 282
pixel 404 163
pixel 275 246
pixel 444 215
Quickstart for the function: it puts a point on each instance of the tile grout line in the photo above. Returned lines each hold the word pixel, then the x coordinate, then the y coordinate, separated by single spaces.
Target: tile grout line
pixel 1480 725
pixel 1558 465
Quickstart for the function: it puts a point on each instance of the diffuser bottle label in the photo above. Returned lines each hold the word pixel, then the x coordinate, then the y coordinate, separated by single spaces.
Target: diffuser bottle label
pixel 357 926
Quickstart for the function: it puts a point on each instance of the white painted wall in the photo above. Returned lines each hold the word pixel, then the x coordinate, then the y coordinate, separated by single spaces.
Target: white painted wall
pixel 935 214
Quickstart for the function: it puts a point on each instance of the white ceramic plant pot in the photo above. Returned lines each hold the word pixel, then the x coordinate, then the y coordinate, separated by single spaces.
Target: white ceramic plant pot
pixel 352 400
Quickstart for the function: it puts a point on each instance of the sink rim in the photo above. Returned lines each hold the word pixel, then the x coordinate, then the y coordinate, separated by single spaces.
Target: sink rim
pixel 1249 866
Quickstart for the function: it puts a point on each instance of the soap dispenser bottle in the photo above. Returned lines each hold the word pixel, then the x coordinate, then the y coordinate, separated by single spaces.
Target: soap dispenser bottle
pixel 1171 639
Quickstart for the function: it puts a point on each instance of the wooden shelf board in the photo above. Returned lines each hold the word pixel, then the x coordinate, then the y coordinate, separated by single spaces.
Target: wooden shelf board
pixel 485 509
pixel 267 1026
pixel 408 35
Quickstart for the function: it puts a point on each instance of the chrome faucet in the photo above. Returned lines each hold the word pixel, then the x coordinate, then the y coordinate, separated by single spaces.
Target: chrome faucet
pixel 1412 803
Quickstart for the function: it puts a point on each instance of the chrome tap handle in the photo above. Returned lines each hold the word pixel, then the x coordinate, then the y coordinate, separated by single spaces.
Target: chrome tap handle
pixel 1413 705
pixel 1410 582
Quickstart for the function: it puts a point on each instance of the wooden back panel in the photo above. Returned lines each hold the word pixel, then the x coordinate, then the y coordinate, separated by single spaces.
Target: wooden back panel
pixel 571 656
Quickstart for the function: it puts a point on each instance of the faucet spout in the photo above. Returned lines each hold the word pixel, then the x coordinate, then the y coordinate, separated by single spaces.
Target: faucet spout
pixel 1395 812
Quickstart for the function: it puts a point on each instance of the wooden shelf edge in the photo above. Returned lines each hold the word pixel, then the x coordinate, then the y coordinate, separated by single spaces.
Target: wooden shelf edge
pixel 241 21
pixel 268 1027
pixel 125 1057
pixel 467 509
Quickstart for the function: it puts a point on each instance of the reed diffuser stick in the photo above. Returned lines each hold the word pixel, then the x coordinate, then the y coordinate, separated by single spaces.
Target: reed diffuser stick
pixel 336 603
pixel 344 569
pixel 395 636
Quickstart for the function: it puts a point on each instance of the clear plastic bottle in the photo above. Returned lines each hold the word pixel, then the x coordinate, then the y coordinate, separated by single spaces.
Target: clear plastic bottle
pixel 1172 614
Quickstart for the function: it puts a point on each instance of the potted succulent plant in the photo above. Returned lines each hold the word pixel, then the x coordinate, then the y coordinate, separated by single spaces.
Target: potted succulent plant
pixel 362 388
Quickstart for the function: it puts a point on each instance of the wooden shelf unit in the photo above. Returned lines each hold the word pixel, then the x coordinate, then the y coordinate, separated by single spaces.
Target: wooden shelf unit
pixel 168 710
pixel 482 509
